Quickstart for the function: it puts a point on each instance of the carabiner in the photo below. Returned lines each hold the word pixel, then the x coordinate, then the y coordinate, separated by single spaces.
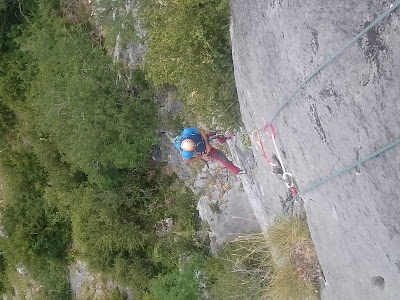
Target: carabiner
pixel 286 176
pixel 258 141
pixel 258 136
pixel 273 130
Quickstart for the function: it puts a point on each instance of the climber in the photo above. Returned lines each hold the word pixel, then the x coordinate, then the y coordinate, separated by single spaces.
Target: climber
pixel 194 145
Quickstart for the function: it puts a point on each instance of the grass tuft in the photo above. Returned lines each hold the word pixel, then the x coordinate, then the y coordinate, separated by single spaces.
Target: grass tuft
pixel 286 234
pixel 282 261
pixel 287 283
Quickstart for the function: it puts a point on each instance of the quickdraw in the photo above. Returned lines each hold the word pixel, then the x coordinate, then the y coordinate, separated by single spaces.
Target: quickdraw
pixel 257 141
pixel 286 176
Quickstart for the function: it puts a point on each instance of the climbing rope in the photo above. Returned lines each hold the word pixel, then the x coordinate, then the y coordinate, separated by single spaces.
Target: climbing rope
pixel 286 176
pixel 304 82
pixel 340 172
pixel 353 40
pixel 308 78
pixel 333 57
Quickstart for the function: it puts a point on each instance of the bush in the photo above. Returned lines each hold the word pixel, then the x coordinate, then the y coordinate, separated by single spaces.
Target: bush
pixel 33 227
pixel 77 135
pixel 189 47
pixel 183 284
pixel 169 249
pixel 37 235
pixel 107 226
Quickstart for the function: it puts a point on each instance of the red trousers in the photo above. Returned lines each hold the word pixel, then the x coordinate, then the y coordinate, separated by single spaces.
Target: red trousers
pixel 219 156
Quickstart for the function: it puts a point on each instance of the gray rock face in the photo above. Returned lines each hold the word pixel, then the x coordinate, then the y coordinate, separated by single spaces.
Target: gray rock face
pixel 350 109
pixel 223 203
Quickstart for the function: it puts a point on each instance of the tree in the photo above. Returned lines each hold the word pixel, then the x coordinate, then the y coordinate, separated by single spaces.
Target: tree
pixel 67 90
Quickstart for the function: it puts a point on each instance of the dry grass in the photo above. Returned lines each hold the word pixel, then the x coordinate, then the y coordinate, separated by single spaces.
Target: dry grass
pixel 254 251
pixel 292 239
pixel 283 260
pixel 241 270
pixel 288 284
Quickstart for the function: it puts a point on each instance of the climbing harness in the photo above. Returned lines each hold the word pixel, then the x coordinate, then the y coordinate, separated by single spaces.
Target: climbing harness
pixel 229 135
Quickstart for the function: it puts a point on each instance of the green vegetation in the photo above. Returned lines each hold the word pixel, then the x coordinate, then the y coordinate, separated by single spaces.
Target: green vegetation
pixel 189 47
pixel 181 284
pixel 3 281
pixel 214 207
pixel 117 20
pixel 76 135
pixel 37 234
pixel 116 294
pixel 279 264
